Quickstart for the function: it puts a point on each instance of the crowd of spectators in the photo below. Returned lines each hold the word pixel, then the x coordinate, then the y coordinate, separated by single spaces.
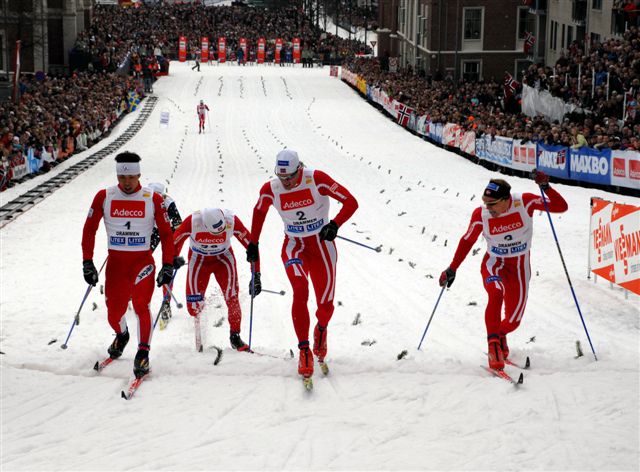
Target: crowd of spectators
pixel 483 106
pixel 57 116
pixel 121 53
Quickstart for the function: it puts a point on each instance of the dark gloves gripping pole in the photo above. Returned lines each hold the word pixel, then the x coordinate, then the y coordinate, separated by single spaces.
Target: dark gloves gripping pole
pixel 329 231
pixel 90 272
pixel 165 275
pixel 257 285
pixel 447 277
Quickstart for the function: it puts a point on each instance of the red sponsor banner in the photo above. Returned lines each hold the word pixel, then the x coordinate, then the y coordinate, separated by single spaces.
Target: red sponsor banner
pixel 614 251
pixel 205 49
pixel 182 49
pixel 222 50
pixel 261 50
pixel 278 50
pixel 298 199
pixel 208 238
pixel 127 209
pixel 243 46
pixel 505 224
pixel 296 50
pixel 625 169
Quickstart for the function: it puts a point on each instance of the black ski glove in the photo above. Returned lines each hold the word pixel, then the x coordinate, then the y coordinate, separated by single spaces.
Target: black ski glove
pixel 90 272
pixel 252 252
pixel 447 277
pixel 178 261
pixel 165 275
pixel 329 231
pixel 257 285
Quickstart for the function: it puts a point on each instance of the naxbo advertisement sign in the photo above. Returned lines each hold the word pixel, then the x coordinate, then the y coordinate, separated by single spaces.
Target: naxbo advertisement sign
pixel 590 165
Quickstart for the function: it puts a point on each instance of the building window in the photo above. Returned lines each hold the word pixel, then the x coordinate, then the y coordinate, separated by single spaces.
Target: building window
pixel 595 38
pixel 569 36
pixel 526 22
pixel 472 24
pixel 596 4
pixel 553 36
pixel 562 38
pixel 471 71
pixel 402 11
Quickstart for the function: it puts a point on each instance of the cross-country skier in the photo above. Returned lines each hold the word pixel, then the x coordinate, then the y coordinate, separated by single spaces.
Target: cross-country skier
pixel 209 232
pixel 301 197
pixel 506 224
pixel 203 111
pixel 130 212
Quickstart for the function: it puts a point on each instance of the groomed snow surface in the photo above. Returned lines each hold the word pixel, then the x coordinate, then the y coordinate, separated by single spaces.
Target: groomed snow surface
pixel 436 409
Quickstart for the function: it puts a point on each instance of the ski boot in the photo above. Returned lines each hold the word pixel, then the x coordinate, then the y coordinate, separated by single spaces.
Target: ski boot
pixel 118 345
pixel 496 359
pixel 141 362
pixel 237 343
pixel 320 346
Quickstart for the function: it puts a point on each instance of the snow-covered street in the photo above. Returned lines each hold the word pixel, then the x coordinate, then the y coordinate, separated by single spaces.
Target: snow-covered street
pixel 435 409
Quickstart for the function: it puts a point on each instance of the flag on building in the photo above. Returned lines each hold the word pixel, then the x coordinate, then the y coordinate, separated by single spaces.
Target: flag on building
pixel 403 112
pixel 527 3
pixel 529 41
pixel 510 85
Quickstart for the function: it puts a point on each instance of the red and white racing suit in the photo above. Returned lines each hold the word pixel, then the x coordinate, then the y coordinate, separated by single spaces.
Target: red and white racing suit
pixel 506 269
pixel 202 110
pixel 305 210
pixel 129 221
pixel 212 254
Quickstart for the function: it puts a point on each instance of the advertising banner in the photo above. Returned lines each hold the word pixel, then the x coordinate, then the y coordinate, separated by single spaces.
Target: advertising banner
pixel 524 155
pixel 278 49
pixel 333 71
pixel 296 50
pixel 495 149
pixel 552 160
pixel 590 165
pixel 182 49
pixel 222 50
pixel 262 43
pixel 615 243
pixel 625 169
pixel 468 143
pixel 204 55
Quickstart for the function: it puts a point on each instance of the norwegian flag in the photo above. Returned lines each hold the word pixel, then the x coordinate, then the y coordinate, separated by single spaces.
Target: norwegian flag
pixel 529 41
pixel 561 157
pixel 527 3
pixel 510 85
pixel 403 112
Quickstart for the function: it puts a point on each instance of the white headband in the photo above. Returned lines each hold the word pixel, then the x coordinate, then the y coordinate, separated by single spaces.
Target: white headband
pixel 128 168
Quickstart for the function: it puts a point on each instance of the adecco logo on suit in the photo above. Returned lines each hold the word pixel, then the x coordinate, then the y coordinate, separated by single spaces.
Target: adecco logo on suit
pixel 298 199
pixel 505 224
pixel 127 209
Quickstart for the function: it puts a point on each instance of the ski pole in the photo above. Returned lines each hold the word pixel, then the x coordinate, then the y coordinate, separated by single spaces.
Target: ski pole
pixel 575 299
pixel 178 304
pixel 431 317
pixel 77 317
pixel 377 249
pixel 253 273
pixel 281 292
